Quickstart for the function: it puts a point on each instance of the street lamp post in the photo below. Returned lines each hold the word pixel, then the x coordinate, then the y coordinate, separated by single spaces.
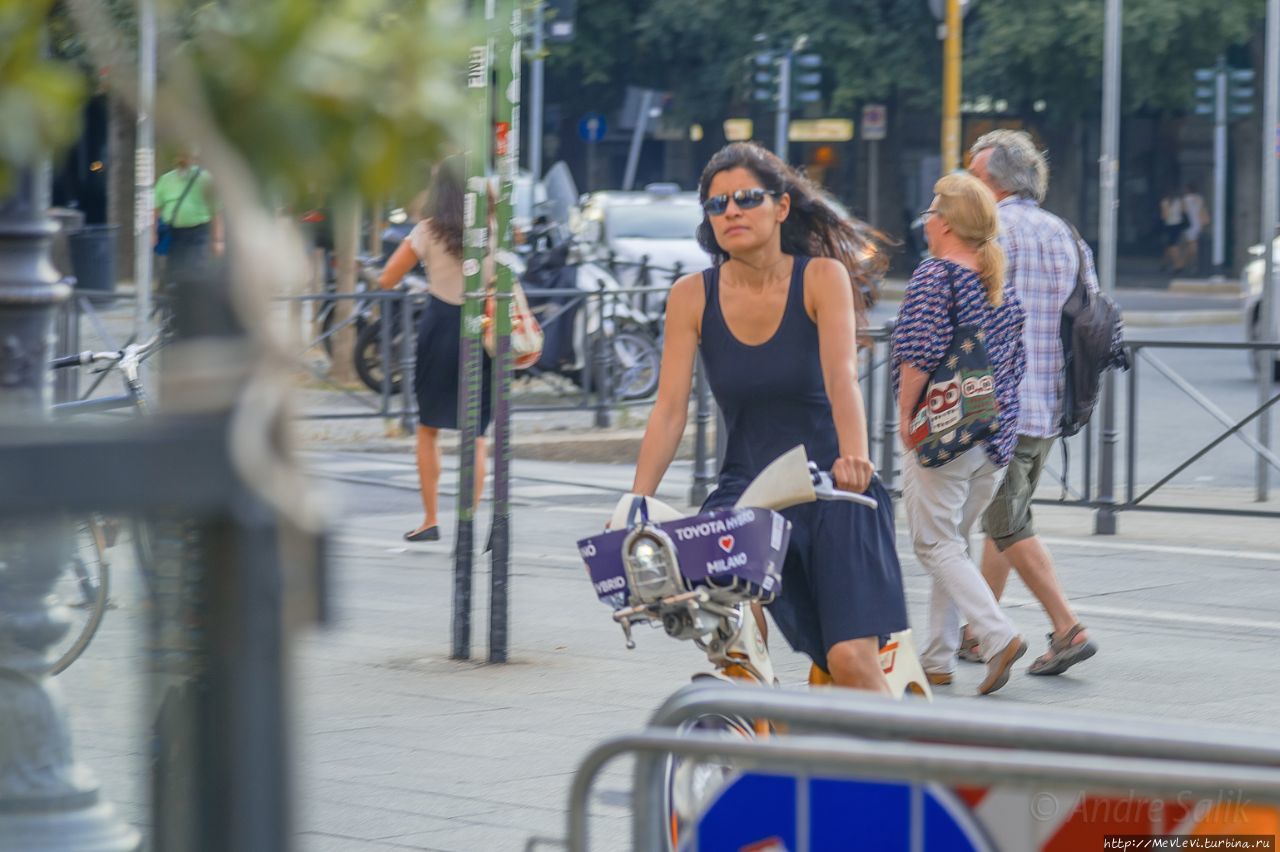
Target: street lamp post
pixel 1270 190
pixel 951 54
pixel 535 94
pixel 47 800
pixel 1108 173
pixel 145 169
pixel 783 129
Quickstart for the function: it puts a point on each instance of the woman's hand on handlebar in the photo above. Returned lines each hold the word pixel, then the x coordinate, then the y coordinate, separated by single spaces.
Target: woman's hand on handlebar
pixel 853 473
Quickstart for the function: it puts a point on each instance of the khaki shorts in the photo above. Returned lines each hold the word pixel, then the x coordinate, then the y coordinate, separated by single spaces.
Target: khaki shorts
pixel 1007 520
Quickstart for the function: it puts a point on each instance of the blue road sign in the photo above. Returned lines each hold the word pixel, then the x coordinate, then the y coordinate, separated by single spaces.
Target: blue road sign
pixel 592 127
pixel 763 812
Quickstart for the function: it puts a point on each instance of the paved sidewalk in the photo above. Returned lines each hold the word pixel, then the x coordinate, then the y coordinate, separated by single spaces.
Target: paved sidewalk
pixel 1186 621
pixel 400 747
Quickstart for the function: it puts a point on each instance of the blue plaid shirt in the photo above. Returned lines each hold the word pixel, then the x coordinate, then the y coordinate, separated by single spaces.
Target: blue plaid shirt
pixel 1043 262
pixel 924 329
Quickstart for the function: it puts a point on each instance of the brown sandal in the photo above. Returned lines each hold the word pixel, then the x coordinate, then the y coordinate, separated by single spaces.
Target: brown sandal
pixel 1062 655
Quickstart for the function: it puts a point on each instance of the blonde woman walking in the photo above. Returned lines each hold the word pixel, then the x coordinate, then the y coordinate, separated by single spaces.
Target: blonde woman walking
pixel 961 285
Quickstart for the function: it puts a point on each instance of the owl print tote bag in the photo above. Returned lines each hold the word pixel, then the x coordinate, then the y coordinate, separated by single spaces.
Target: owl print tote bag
pixel 958 408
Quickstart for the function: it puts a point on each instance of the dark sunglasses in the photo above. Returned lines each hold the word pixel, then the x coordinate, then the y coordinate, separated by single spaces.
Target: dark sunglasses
pixel 746 199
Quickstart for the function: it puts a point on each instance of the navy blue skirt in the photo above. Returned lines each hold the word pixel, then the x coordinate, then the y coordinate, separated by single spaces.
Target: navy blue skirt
pixel 435 372
pixel 841 579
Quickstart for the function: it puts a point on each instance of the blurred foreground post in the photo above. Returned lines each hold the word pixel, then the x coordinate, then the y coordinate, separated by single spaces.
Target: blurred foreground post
pixel 47 800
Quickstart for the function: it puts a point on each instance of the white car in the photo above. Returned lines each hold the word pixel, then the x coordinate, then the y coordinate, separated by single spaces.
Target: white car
pixel 656 226
pixel 1251 285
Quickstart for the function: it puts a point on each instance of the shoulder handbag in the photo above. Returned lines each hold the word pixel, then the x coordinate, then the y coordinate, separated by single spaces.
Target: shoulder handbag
pixel 958 407
pixel 526 333
pixel 164 230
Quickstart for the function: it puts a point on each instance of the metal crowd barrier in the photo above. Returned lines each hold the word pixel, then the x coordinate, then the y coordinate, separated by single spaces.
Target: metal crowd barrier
pixel 841 733
pixel 1140 353
pixel 1095 448
pixel 394 311
pixel 595 391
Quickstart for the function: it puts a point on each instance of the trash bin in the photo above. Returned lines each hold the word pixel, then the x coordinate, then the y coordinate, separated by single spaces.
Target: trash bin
pixel 68 220
pixel 93 257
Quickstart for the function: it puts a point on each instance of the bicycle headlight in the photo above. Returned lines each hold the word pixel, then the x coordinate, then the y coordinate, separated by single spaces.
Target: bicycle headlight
pixel 652 572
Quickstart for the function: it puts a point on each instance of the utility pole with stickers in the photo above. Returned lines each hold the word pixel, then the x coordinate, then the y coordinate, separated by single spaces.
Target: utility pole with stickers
pixel 493 90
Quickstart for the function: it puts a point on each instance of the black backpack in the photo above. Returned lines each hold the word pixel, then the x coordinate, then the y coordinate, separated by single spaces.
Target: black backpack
pixel 1092 343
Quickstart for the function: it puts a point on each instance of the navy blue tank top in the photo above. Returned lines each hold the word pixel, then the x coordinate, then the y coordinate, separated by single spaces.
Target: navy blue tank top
pixel 773 395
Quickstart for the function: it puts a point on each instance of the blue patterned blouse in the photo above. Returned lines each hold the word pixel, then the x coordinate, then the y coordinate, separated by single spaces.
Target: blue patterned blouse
pixel 924 328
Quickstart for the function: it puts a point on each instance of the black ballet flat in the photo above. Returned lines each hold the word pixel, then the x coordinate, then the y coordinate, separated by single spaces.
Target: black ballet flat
pixel 428 534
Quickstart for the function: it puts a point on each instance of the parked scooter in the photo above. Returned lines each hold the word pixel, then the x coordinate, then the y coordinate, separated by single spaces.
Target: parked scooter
pixel 592 333
pixel 369 313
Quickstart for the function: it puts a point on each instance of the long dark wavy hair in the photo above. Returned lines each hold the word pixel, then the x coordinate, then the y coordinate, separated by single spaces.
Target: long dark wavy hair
pixel 812 228
pixel 444 204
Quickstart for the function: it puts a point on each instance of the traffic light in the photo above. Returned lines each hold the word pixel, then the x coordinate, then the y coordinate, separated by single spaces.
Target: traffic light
pixel 804 70
pixel 1239 91
pixel 1206 91
pixel 764 76
pixel 807 79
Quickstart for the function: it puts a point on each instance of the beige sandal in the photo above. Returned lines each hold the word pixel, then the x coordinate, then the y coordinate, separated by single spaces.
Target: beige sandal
pixel 1062 655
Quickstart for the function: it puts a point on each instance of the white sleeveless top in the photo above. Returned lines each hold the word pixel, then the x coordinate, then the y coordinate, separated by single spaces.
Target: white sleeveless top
pixel 444 271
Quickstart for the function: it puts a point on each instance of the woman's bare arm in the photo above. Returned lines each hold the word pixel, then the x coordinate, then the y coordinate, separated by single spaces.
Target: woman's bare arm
pixel 398 265
pixel 911 384
pixel 831 293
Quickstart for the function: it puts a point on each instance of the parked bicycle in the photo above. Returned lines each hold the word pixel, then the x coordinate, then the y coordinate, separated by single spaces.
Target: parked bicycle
pixel 84 588
pixel 699 578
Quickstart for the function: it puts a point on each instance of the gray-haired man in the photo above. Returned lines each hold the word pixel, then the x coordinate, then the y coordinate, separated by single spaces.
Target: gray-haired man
pixel 1043 259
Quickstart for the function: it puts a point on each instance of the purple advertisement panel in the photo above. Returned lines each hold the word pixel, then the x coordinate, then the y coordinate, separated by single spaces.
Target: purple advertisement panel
pixel 713 548
pixel 743 543
pixel 603 555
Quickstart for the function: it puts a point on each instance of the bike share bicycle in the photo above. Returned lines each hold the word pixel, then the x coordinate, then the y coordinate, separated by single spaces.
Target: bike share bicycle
pixel 695 577
pixel 85 588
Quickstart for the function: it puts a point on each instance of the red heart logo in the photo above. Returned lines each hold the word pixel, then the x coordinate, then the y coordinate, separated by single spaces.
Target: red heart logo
pixel 726 543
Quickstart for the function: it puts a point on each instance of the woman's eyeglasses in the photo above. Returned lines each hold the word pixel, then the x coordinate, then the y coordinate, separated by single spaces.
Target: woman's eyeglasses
pixel 925 214
pixel 746 199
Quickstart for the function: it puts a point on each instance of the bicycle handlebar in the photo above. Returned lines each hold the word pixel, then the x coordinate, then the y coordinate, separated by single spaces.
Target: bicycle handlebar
pixel 825 489
pixel 71 360
pixel 135 351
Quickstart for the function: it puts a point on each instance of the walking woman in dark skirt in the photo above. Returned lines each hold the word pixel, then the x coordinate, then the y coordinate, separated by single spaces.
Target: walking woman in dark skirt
pixel 436 241
pixel 775 321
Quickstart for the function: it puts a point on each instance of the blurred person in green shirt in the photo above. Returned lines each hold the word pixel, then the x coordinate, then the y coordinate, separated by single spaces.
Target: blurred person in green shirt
pixel 186 203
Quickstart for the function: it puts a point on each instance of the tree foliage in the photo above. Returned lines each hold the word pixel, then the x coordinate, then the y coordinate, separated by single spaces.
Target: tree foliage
pixel 39 97
pixel 699 50
pixel 888 50
pixel 341 96
pixel 1053 51
pixel 870 49
pixel 354 99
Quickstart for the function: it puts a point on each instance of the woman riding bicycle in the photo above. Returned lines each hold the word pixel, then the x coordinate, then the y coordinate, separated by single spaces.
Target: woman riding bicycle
pixel 775 321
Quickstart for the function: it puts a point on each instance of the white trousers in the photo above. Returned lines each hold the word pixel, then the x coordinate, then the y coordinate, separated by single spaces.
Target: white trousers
pixel 942 505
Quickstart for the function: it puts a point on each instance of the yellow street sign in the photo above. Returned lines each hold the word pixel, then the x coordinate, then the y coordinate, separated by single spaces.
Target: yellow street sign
pixel 821 130
pixel 738 129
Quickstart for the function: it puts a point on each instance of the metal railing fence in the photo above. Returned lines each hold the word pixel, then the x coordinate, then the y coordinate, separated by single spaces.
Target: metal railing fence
pixel 591 379
pixel 842 733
